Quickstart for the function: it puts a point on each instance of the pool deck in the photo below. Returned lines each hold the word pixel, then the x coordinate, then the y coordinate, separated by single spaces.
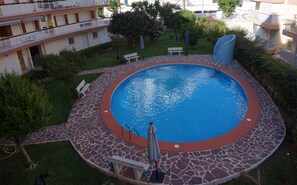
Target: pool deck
pixel 94 142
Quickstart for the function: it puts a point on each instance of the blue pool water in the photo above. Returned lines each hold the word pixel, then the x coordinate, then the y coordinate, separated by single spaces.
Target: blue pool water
pixel 187 103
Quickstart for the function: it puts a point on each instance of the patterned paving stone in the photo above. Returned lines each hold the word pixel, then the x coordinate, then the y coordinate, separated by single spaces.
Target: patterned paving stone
pixel 95 142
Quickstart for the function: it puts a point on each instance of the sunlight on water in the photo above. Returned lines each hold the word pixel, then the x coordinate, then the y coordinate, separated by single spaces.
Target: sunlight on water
pixel 185 102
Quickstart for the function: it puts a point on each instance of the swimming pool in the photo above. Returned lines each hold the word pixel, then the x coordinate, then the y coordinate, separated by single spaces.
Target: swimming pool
pixel 186 102
pixel 179 89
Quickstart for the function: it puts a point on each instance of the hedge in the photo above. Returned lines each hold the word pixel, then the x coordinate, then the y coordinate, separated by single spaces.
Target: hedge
pixel 95 49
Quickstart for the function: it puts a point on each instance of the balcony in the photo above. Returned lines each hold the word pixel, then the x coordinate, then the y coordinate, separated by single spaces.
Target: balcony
pixel 290 29
pixel 266 20
pixel 27 40
pixel 27 8
pixel 287 56
pixel 270 1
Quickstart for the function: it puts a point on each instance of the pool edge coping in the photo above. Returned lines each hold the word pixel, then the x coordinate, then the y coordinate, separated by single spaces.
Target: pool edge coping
pixel 243 128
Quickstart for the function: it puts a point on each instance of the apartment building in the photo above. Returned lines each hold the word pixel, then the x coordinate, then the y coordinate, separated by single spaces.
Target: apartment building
pixel 198 7
pixel 289 32
pixel 268 18
pixel 29 28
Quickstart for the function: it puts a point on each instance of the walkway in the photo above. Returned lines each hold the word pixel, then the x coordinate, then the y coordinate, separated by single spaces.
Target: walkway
pixel 94 141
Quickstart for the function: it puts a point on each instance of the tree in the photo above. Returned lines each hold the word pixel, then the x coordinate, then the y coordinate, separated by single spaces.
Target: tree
pixel 100 12
pixel 143 6
pixel 166 12
pixel 130 24
pixel 24 108
pixel 179 19
pixel 118 42
pixel 155 30
pixel 114 6
pixel 228 6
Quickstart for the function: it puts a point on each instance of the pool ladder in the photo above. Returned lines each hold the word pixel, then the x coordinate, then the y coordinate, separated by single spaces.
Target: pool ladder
pixel 219 64
pixel 130 129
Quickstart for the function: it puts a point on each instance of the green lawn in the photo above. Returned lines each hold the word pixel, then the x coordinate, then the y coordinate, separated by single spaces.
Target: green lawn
pixel 67 166
pixel 62 101
pixel 279 169
pixel 108 58
pixel 60 158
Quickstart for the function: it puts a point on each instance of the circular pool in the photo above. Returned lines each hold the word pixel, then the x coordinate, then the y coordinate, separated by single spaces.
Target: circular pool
pixel 189 104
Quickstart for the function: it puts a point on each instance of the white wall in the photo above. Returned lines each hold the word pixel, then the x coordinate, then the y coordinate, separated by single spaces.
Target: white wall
pixel 79 42
pixel 271 8
pixel 16 29
pixel 71 18
pixel 84 16
pixel 56 46
pixel 60 20
pixel 10 63
pixel 29 26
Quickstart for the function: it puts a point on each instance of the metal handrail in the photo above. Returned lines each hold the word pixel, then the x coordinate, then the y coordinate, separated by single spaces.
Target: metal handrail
pixel 130 129
pixel 218 64
pixel 122 128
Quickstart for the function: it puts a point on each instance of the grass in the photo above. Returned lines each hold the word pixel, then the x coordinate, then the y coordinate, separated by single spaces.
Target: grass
pixel 278 169
pixel 108 58
pixel 67 166
pixel 62 100
pixel 59 158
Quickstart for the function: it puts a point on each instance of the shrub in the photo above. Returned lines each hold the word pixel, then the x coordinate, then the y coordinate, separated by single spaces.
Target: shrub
pixel 195 32
pixel 64 65
pixel 35 75
pixel 279 78
pixel 215 30
pixel 95 49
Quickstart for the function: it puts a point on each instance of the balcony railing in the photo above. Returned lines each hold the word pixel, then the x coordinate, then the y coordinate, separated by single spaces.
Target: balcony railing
pixel 287 56
pixel 268 18
pixel 25 8
pixel 291 25
pixel 21 40
pixel 271 1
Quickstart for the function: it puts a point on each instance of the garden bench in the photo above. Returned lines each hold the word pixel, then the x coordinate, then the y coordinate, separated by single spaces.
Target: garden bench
pixel 82 88
pixel 178 50
pixel 119 162
pixel 131 56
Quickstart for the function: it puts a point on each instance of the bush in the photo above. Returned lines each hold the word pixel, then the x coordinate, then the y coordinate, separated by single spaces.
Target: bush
pixel 215 30
pixel 95 49
pixel 279 78
pixel 35 75
pixel 195 32
pixel 64 65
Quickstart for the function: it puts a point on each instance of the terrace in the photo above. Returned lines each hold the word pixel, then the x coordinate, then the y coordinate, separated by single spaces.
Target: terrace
pixel 8 10
pixel 16 42
pixel 266 20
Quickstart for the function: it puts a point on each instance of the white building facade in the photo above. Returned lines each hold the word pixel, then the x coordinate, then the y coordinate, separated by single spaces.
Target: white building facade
pixel 29 28
pixel 269 23
pixel 196 6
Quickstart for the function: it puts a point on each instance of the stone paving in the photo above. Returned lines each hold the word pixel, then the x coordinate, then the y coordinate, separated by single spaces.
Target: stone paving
pixel 94 141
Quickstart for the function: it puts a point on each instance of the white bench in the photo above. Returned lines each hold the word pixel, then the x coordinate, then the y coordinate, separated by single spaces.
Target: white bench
pixel 82 88
pixel 118 162
pixel 178 50
pixel 131 56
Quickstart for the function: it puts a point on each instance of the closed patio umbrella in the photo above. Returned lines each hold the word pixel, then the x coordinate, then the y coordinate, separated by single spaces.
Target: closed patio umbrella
pixel 141 42
pixel 154 153
pixel 187 41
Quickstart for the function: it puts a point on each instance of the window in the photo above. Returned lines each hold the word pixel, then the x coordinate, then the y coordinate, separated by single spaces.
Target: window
pixel 71 40
pixel 95 35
